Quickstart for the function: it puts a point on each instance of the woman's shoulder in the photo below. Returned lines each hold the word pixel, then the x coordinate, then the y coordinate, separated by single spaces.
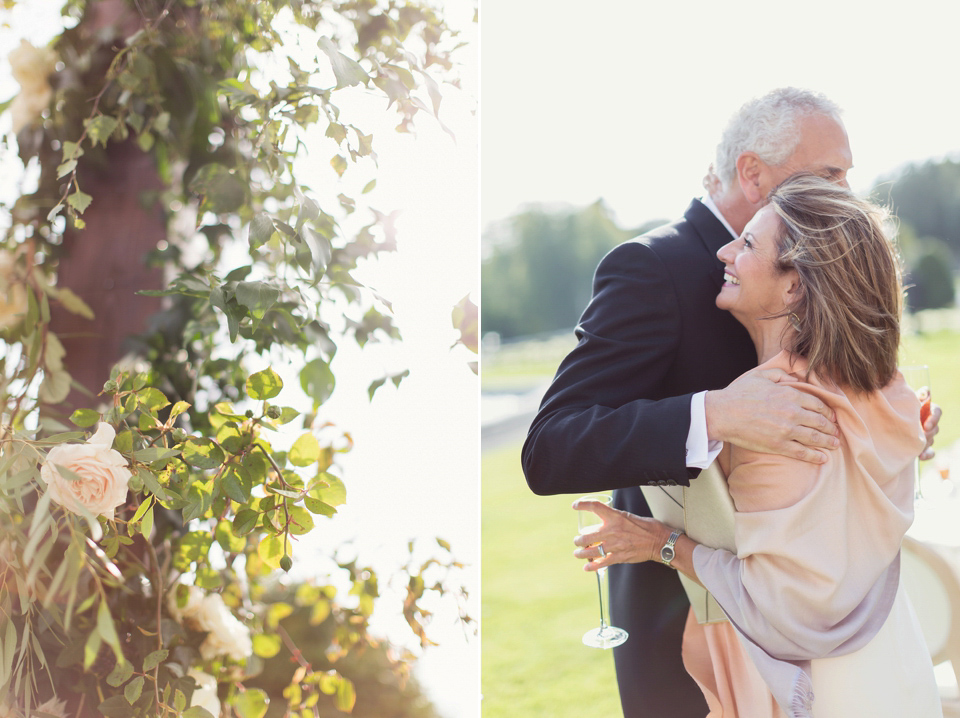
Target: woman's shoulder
pixel 885 422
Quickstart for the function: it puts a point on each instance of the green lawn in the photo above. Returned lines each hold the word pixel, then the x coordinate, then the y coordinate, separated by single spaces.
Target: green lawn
pixel 941 352
pixel 536 600
pixel 537 603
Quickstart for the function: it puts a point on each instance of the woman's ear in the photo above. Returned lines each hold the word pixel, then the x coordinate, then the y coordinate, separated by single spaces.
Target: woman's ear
pixel 749 173
pixel 792 288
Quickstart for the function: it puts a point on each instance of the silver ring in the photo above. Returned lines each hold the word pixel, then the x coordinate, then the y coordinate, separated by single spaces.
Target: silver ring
pixel 602 552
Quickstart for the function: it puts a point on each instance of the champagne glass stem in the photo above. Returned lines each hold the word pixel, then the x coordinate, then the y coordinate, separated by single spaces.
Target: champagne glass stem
pixel 603 622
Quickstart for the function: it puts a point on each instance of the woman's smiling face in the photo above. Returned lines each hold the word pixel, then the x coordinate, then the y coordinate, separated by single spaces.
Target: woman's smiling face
pixel 753 286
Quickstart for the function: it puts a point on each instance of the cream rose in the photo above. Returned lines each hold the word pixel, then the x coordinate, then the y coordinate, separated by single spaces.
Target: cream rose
pixel 31 67
pixel 103 472
pixel 205 694
pixel 13 295
pixel 226 635
pixel 190 609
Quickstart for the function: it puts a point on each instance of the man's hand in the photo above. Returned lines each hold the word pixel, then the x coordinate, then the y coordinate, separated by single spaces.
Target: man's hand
pixel 762 412
pixel 930 427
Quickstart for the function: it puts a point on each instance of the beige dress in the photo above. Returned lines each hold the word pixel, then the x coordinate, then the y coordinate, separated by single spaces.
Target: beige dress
pixel 817 612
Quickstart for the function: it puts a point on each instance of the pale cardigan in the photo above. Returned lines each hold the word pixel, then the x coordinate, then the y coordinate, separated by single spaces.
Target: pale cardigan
pixel 818 546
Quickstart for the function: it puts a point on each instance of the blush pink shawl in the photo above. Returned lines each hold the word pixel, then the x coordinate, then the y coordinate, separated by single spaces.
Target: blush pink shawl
pixel 818 546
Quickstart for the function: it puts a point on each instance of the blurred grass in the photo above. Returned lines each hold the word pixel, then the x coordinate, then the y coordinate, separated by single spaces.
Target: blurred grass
pixel 536 600
pixel 537 603
pixel 940 350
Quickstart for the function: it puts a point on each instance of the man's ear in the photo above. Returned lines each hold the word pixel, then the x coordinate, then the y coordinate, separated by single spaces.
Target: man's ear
pixel 749 172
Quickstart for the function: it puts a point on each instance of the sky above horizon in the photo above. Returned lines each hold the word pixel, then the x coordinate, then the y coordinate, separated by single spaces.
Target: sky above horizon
pixel 627 102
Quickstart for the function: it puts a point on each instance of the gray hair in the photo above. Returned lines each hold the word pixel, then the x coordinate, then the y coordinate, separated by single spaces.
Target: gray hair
pixel 770 127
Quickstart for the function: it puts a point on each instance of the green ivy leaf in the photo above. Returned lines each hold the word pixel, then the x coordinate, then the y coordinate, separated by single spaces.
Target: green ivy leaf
pixel 100 128
pixel 316 506
pixel 74 304
pixel 154 659
pixel 84 417
pixel 258 297
pixel 228 540
pixel 202 453
pixel 153 399
pixel 270 550
pixel 232 310
pixel 266 645
pixel 120 674
pixel 116 707
pixel 264 384
pixel 221 189
pixel 347 70
pixel 301 522
pixel 346 695
pixel 261 230
pixel 233 485
pixel 252 703
pixel 66 168
pixel 305 450
pixel 133 689
pixel 245 521
pixel 317 381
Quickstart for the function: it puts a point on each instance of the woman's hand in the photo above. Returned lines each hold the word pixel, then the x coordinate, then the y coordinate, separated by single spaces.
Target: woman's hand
pixel 624 537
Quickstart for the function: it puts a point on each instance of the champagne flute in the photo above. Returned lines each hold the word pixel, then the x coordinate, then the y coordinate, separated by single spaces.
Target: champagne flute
pixel 918 379
pixel 605 636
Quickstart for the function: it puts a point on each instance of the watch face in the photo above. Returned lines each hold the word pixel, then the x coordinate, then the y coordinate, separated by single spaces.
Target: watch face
pixel 667 554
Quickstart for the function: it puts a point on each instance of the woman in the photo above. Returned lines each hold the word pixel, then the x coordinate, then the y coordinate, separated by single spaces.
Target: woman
pixel 819 624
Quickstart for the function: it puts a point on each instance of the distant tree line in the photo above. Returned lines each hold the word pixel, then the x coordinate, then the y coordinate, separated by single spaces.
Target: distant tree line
pixel 537 273
pixel 926 199
pixel 537 267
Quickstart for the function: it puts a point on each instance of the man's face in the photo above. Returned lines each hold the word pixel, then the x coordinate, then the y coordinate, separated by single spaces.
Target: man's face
pixel 823 149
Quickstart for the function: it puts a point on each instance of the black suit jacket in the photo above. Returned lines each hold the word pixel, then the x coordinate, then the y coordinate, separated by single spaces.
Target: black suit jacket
pixel 617 416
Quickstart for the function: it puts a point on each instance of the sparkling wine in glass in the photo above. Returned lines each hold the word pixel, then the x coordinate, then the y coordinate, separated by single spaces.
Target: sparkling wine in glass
pixel 605 636
pixel 918 379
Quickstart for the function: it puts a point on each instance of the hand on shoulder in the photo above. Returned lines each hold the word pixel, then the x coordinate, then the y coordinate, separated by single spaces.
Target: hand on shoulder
pixel 762 412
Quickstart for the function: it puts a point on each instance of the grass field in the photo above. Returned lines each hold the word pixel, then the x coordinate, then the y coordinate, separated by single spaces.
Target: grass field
pixel 537 601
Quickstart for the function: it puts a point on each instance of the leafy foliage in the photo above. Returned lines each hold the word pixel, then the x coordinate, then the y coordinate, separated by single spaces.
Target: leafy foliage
pixel 111 613
pixel 536 275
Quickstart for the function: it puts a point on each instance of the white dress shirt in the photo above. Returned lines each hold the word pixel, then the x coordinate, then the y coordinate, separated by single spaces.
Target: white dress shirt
pixel 700 450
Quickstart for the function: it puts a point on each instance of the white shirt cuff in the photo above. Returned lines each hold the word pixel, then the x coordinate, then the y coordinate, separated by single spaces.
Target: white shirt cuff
pixel 700 450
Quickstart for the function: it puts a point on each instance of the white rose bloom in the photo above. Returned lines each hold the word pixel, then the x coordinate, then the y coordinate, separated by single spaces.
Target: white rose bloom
pixel 226 635
pixel 103 472
pixel 192 607
pixel 13 296
pixel 205 694
pixel 31 67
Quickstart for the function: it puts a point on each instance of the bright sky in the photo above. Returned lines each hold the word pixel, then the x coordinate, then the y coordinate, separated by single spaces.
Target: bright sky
pixel 414 471
pixel 626 100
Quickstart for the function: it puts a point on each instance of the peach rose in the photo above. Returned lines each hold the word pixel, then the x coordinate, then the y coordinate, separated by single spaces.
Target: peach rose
pixel 31 67
pixel 103 472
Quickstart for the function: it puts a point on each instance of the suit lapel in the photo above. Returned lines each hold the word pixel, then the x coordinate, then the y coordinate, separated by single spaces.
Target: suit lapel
pixel 712 233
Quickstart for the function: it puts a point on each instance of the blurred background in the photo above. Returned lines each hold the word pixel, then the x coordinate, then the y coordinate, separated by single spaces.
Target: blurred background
pixel 599 125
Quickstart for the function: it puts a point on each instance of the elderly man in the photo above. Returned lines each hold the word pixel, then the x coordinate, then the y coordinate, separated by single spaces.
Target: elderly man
pixel 652 389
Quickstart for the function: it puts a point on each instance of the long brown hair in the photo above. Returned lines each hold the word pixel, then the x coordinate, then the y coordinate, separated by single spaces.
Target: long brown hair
pixel 851 296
